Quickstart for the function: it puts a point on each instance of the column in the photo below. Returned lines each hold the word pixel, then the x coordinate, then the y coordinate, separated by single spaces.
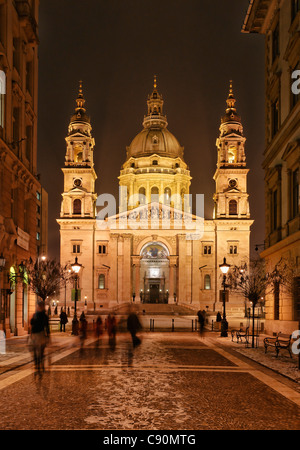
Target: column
pixel 171 284
pixel 137 282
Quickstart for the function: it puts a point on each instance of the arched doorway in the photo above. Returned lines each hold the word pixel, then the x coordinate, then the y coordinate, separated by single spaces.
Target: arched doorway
pixel 154 275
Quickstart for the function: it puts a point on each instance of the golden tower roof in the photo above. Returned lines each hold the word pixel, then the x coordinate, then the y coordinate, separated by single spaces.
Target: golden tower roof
pixel 155 138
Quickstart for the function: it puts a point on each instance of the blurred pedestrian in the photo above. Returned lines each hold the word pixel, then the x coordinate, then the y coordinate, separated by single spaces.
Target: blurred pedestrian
pixel 98 329
pixel 111 324
pixel 83 328
pixel 219 318
pixel 40 334
pixel 2 342
pixel 200 321
pixel 63 320
pixel 133 326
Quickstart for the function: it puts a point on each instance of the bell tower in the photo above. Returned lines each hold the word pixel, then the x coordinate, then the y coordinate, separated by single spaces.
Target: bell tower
pixel 79 197
pixel 231 197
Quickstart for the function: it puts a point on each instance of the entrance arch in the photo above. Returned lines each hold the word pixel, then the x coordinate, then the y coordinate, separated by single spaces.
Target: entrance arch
pixel 154 272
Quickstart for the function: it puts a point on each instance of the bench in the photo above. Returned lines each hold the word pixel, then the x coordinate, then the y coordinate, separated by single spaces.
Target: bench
pixel 279 342
pixel 240 334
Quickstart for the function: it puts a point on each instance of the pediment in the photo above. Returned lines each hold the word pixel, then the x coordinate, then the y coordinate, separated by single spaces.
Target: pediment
pixel 154 215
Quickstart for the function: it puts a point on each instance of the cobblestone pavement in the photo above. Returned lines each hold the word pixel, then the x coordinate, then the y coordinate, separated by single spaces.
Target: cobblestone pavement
pixel 172 381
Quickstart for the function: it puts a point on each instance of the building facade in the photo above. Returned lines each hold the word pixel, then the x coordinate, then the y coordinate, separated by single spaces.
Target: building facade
pixel 154 249
pixel 279 22
pixel 23 202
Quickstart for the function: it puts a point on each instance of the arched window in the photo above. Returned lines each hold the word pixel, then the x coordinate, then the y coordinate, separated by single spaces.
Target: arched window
pixel 207 283
pixel 154 194
pixel 77 206
pixel 232 155
pixel 232 207
pixel 167 195
pixel 142 196
pixel 101 281
pixel 79 157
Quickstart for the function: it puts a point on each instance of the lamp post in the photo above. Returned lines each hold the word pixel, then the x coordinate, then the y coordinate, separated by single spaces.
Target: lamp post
pixel 76 267
pixel 224 324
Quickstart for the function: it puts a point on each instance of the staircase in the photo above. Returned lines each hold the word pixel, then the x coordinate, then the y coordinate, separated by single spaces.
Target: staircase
pixel 155 309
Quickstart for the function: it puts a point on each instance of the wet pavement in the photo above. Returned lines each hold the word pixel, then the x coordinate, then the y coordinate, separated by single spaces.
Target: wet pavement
pixel 172 381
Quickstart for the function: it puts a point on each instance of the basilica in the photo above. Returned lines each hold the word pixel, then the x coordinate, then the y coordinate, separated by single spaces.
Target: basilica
pixel 154 249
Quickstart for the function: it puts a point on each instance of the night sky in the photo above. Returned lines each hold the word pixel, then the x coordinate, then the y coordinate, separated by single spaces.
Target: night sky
pixel 116 46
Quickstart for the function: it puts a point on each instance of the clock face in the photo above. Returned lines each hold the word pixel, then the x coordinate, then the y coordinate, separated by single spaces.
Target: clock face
pixel 77 182
pixel 232 183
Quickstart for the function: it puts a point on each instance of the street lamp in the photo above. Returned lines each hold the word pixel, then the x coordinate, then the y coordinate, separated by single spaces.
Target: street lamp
pixel 224 324
pixel 76 267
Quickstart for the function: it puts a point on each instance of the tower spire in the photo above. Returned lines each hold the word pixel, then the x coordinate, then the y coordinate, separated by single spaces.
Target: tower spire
pixel 155 116
pixel 231 99
pixel 80 101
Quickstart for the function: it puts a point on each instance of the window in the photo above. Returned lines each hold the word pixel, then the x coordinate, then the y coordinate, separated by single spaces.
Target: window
pixel 101 281
pixel 77 206
pixel 38 196
pixel 154 162
pixel 102 249
pixel 207 249
pixel 16 54
pixel 274 210
pixel 79 157
pixel 167 195
pixel 295 8
pixel 16 126
pixel 154 194
pixel 233 249
pixel 207 283
pixel 275 42
pixel 29 74
pixel 232 207
pixel 76 248
pixel 275 117
pixel 29 142
pixel 295 193
pixel 38 236
pixel 232 155
pixel 142 196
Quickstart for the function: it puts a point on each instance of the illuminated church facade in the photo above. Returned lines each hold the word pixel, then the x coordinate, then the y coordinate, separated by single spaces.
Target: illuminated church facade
pixel 154 250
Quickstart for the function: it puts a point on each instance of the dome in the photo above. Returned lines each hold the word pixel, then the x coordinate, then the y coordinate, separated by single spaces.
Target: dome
pixel 158 141
pixel 155 138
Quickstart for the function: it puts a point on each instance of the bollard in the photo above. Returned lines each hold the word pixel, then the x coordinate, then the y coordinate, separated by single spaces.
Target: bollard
pixel 192 325
pixel 172 324
pixel 212 325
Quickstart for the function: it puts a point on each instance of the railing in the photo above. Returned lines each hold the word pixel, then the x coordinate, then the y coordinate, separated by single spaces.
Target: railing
pixel 171 324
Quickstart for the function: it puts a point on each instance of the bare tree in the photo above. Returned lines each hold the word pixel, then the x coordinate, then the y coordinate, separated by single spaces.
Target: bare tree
pixel 46 277
pixel 254 281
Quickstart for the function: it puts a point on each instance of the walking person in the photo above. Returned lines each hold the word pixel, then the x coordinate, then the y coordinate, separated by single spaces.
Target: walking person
pixel 83 328
pixel 98 329
pixel 63 320
pixel 201 322
pixel 40 334
pixel 111 324
pixel 133 326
